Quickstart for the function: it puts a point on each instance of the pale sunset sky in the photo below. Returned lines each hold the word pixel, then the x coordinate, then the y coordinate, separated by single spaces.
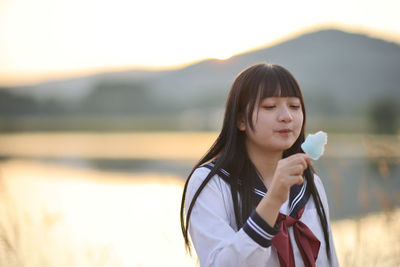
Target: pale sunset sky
pixel 47 39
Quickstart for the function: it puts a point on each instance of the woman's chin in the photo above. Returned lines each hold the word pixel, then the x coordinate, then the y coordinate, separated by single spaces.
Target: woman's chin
pixel 285 143
pixel 285 146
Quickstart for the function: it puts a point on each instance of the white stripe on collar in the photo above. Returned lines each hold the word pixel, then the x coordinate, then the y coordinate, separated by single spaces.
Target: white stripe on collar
pixel 299 196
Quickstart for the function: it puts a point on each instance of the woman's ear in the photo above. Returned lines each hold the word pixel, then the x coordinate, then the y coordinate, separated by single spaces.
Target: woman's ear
pixel 241 123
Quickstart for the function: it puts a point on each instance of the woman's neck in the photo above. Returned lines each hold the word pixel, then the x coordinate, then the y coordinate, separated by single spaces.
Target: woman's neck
pixel 265 163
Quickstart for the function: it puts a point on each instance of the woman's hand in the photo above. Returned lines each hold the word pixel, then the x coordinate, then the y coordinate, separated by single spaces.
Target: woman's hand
pixel 288 172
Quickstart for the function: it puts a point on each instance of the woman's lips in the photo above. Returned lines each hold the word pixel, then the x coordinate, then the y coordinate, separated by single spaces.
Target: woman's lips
pixel 284 131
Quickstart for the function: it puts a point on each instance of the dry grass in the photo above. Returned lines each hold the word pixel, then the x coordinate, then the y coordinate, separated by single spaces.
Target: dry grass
pixel 44 221
pixel 59 216
pixel 372 240
pixel 43 239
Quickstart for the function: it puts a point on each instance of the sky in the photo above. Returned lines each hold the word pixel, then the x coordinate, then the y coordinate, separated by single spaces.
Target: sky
pixel 46 39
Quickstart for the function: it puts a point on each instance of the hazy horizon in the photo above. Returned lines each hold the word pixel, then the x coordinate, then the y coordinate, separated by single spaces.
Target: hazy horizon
pixel 40 42
pixel 36 78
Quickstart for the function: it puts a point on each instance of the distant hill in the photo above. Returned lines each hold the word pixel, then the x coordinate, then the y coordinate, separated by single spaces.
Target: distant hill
pixel 340 73
pixel 348 69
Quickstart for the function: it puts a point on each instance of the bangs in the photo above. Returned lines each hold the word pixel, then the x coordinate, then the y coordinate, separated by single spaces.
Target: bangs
pixel 278 83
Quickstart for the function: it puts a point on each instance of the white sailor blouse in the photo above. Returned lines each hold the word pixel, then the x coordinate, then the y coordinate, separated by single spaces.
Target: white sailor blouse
pixel 218 242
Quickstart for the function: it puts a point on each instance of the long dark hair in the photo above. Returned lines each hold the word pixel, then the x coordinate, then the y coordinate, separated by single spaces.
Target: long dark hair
pixel 229 152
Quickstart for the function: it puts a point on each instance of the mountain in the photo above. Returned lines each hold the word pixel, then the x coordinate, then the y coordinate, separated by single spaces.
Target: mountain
pixel 330 65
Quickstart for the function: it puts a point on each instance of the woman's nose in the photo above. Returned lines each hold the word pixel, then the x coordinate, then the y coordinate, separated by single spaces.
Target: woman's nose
pixel 285 115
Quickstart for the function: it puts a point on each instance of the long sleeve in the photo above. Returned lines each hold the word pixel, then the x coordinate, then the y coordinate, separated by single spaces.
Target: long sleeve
pixel 213 231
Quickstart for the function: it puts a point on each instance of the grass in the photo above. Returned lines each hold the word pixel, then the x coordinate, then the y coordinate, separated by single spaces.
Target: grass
pixel 371 240
pixel 43 240
pixel 59 216
pixel 46 236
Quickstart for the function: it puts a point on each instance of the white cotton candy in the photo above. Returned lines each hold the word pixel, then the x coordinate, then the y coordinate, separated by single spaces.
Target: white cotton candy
pixel 314 145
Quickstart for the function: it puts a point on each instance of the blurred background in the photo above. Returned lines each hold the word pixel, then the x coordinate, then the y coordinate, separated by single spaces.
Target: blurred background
pixel 106 105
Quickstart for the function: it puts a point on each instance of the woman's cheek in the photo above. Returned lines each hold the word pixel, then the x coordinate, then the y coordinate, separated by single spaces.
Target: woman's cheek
pixel 299 124
pixel 298 119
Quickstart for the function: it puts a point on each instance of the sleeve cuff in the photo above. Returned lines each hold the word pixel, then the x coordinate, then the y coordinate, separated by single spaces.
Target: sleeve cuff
pixel 259 230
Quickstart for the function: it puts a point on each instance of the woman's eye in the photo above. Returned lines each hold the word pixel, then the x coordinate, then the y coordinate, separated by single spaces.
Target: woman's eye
pixel 269 106
pixel 295 106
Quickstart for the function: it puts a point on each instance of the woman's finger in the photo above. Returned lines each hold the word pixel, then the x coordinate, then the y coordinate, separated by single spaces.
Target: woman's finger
pixel 297 169
pixel 300 180
pixel 299 157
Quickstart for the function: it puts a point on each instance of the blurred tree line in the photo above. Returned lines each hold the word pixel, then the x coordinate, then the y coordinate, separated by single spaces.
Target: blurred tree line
pixel 106 99
pixel 384 114
pixel 111 101
pixel 12 105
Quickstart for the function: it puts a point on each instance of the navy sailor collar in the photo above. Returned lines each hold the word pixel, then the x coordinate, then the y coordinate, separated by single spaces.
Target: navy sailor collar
pixel 298 197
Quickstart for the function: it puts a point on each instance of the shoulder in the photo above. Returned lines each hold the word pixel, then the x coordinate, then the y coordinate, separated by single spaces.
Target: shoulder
pixel 198 177
pixel 214 197
pixel 321 191
pixel 319 185
pixel 318 181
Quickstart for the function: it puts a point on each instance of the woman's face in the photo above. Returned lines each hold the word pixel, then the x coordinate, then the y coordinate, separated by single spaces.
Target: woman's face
pixel 277 124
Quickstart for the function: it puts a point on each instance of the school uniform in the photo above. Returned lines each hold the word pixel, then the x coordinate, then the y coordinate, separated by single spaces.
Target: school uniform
pixel 218 242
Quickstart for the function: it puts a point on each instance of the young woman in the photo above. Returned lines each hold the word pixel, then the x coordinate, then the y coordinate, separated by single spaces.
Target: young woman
pixel 254 199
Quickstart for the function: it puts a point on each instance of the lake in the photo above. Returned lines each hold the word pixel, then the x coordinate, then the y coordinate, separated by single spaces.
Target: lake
pixel 361 173
pixel 112 199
